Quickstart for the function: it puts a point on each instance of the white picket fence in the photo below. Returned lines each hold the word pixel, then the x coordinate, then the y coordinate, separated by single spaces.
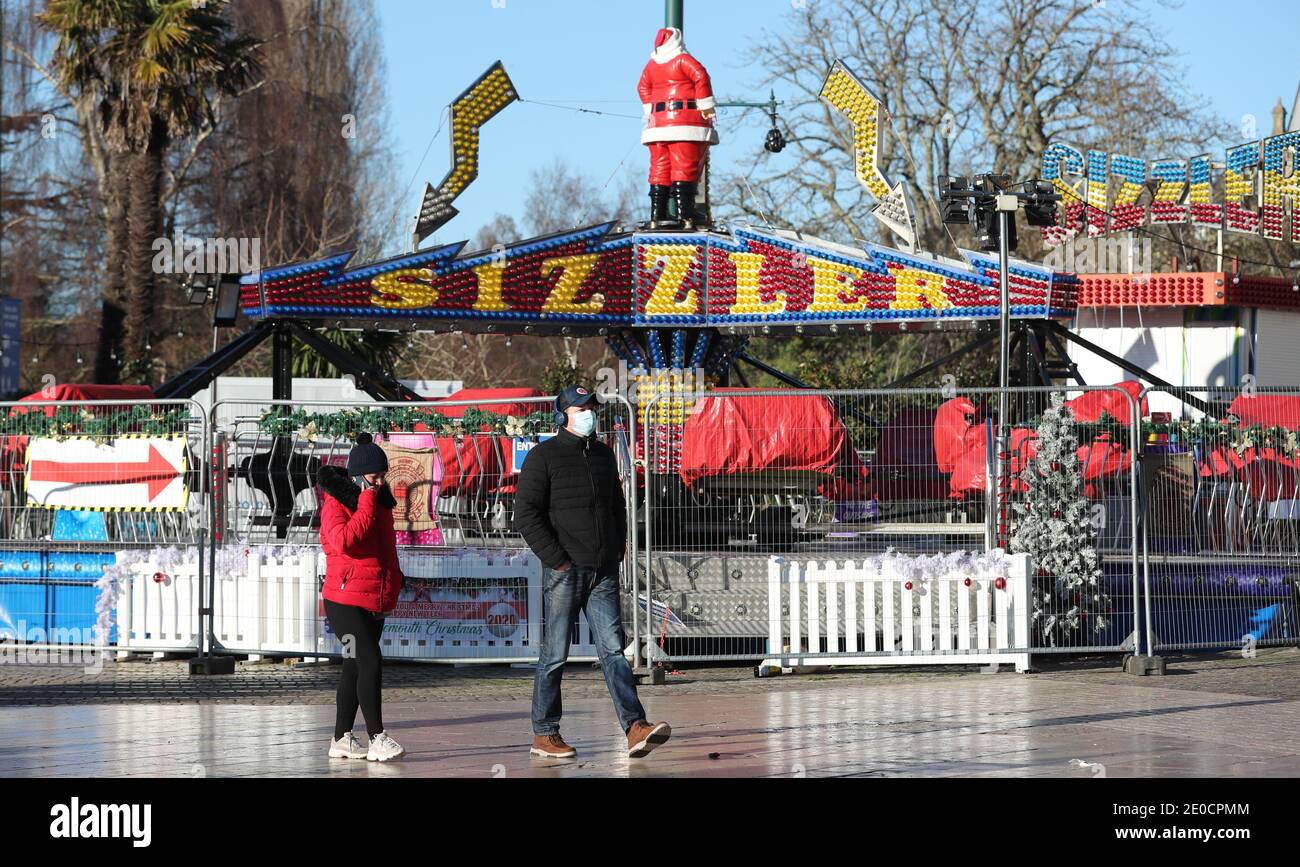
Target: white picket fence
pixel 272 607
pixel 862 612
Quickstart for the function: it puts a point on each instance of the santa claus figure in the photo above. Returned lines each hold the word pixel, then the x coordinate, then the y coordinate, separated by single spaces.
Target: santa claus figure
pixel 677 99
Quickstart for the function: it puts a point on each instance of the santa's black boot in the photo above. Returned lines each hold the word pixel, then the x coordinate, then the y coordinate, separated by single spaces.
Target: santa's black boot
pixel 659 194
pixel 684 193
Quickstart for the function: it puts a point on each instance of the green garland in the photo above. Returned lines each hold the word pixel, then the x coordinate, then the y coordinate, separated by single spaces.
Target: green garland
pixel 92 421
pixel 349 422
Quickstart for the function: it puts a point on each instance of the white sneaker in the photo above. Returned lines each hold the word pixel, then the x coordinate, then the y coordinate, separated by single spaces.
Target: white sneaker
pixel 347 747
pixel 383 748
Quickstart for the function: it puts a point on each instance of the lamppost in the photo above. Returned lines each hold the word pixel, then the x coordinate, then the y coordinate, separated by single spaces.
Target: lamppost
pixel 989 203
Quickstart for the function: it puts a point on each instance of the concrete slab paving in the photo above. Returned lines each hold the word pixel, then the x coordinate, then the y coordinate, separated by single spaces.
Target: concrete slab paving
pixel 999 725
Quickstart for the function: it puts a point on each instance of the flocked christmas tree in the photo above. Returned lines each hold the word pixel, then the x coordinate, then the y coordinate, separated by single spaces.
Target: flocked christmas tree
pixel 1055 527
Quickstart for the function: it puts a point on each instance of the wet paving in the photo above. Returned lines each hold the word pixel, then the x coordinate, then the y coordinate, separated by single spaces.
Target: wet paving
pixel 1001 725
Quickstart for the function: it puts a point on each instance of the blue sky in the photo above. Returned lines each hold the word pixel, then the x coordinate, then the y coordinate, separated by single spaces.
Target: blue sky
pixel 590 53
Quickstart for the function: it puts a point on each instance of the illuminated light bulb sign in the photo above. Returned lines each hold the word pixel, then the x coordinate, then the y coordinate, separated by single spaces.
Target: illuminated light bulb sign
pixel 481 102
pixel 1171 184
pixel 594 278
pixel 844 92
pixel 1279 193
pixel 1254 191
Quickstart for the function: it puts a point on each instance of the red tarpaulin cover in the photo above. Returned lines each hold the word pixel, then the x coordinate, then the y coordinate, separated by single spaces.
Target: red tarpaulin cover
pixel 733 432
pixel 1267 472
pixel 1089 406
pixel 69 391
pixel 1099 458
pixel 1282 410
pixel 963 444
pixel 952 429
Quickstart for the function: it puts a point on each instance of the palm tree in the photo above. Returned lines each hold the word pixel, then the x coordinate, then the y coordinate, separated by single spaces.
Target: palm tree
pixel 383 349
pixel 153 67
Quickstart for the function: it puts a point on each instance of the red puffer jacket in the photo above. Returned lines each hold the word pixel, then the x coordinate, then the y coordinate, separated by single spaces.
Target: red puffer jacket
pixel 356 531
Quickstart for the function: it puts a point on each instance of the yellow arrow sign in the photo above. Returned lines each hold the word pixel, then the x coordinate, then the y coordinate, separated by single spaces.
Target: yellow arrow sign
pixel 844 92
pixel 476 106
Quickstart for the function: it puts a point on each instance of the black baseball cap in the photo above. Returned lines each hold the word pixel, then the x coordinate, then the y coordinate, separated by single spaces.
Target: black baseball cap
pixel 574 395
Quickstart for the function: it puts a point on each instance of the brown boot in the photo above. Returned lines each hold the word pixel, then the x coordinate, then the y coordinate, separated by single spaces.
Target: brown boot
pixel 643 737
pixel 552 747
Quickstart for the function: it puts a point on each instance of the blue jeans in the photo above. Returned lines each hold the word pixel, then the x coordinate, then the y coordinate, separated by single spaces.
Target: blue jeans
pixel 564 594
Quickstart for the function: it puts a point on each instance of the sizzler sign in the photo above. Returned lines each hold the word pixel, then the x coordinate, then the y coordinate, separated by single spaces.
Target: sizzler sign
pixel 597 278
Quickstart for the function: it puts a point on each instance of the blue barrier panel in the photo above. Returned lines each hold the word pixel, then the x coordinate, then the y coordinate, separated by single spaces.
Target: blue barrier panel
pixel 23 607
pixel 72 612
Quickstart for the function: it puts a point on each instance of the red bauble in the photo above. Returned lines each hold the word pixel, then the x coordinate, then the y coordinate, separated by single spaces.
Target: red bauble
pixel 907 586
pixel 159 577
pixel 1000 583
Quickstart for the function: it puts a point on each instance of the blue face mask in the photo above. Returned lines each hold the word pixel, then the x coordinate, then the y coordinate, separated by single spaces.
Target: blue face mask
pixel 584 423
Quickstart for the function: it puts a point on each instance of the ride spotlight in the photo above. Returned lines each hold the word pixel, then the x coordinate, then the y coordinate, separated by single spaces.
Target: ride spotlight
pixel 988 187
pixel 955 206
pixel 986 231
pixel 198 288
pixel 226 310
pixel 1040 205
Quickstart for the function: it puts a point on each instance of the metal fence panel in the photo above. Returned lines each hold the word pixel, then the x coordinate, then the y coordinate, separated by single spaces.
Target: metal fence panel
pixel 1221 535
pixel 1201 541
pixel 80 483
pixel 733 477
pixel 270 453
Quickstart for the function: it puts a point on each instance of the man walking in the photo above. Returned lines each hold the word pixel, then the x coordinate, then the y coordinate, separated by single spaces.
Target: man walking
pixel 569 507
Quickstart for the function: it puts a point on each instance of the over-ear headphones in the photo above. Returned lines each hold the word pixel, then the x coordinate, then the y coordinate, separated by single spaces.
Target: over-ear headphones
pixel 559 416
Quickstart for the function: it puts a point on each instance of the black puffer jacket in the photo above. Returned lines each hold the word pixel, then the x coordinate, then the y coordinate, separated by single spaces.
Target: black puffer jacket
pixel 569 504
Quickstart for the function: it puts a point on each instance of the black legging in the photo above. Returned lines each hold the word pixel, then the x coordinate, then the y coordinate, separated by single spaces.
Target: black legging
pixel 361 682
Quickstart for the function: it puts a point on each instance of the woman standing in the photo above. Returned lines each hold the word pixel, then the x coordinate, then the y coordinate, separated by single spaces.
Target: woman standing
pixel 362 581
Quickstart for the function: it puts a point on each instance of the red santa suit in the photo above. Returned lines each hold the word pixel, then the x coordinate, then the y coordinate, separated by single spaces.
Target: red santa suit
pixel 675 91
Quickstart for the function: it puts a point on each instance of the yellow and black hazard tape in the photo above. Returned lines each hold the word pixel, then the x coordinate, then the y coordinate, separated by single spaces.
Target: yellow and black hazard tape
pixel 31 504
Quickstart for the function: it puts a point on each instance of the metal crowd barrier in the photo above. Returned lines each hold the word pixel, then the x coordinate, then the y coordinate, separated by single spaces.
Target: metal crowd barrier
pixel 54 551
pixel 1221 528
pixel 735 478
pixel 1197 523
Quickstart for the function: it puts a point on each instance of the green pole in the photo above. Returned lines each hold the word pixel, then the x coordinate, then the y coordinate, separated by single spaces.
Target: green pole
pixel 673 14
